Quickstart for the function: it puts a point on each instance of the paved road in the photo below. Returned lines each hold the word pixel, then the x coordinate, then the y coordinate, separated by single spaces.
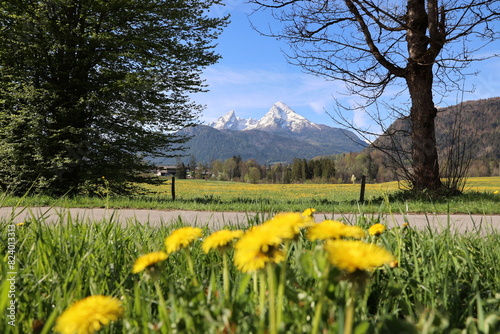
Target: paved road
pixel 215 220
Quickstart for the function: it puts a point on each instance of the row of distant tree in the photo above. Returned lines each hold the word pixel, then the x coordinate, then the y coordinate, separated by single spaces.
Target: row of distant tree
pixel 332 169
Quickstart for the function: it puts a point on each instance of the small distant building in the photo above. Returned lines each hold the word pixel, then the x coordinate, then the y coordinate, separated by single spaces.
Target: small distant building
pixel 166 170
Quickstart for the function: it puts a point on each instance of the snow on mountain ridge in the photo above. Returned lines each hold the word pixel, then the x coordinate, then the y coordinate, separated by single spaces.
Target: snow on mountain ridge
pixel 231 122
pixel 280 117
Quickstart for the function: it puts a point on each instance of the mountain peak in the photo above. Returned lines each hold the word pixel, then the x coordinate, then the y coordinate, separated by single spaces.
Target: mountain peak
pixel 231 122
pixel 281 117
pixel 282 106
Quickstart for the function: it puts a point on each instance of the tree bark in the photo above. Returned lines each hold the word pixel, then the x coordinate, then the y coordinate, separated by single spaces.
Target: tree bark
pixel 422 115
pixel 419 78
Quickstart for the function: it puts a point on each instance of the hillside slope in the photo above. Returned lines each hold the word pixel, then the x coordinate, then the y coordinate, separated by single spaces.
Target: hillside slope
pixel 208 144
pixel 477 122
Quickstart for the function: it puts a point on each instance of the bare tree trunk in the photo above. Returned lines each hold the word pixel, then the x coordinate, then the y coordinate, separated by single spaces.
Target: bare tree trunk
pixel 419 77
pixel 422 115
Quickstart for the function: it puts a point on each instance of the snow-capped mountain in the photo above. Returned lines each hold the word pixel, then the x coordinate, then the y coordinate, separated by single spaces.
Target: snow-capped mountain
pixel 279 118
pixel 231 122
pixel 278 137
pixel 282 117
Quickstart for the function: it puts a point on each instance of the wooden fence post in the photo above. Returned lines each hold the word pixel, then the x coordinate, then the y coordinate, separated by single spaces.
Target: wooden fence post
pixel 362 192
pixel 173 188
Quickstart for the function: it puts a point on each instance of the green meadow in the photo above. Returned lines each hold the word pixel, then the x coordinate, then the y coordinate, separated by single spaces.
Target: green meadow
pixel 481 196
pixel 438 282
pixel 442 283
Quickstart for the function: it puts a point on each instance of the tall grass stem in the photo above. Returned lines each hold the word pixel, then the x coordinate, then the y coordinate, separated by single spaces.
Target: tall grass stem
pixel 273 329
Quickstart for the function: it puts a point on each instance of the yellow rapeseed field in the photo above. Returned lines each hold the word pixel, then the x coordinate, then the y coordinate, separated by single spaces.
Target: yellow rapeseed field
pixel 189 189
pixel 483 184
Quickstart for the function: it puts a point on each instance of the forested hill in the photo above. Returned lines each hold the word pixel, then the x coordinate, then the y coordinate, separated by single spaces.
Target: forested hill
pixel 473 124
pixel 208 144
pixel 480 127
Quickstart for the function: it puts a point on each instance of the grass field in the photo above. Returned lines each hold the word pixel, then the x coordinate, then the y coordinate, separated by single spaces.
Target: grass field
pixel 435 282
pixel 441 283
pixel 479 198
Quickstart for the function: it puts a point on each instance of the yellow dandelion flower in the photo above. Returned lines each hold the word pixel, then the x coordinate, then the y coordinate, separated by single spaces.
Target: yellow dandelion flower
pixel 309 212
pixel 220 239
pixel 325 230
pixel 182 237
pixel 355 232
pixel 288 225
pixel 351 255
pixel 258 246
pixel 376 229
pixel 333 229
pixel 496 192
pixel 20 224
pixel 148 260
pixel 88 315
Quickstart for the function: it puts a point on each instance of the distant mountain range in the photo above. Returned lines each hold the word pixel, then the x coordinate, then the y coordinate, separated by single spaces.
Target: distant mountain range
pixel 279 119
pixel 279 136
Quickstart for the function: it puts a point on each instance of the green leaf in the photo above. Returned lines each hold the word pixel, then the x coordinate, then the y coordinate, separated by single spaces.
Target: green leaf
pixel 363 328
pixel 391 324
pixel 243 284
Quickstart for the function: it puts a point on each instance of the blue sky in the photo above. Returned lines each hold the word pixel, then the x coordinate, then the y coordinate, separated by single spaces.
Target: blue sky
pixel 254 74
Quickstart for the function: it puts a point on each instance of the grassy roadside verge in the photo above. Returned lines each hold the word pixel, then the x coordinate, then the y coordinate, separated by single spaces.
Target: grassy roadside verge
pixel 441 283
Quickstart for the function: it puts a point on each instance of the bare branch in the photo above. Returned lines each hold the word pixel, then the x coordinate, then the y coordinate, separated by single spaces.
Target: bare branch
pixel 395 70
pixel 400 24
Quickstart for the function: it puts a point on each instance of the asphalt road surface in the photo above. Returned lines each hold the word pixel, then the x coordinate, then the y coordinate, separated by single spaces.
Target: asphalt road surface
pixel 216 220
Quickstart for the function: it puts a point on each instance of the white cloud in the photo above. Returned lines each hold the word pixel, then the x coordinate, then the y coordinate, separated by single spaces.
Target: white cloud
pixel 229 6
pixel 251 92
pixel 317 107
pixel 486 82
pixel 360 118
